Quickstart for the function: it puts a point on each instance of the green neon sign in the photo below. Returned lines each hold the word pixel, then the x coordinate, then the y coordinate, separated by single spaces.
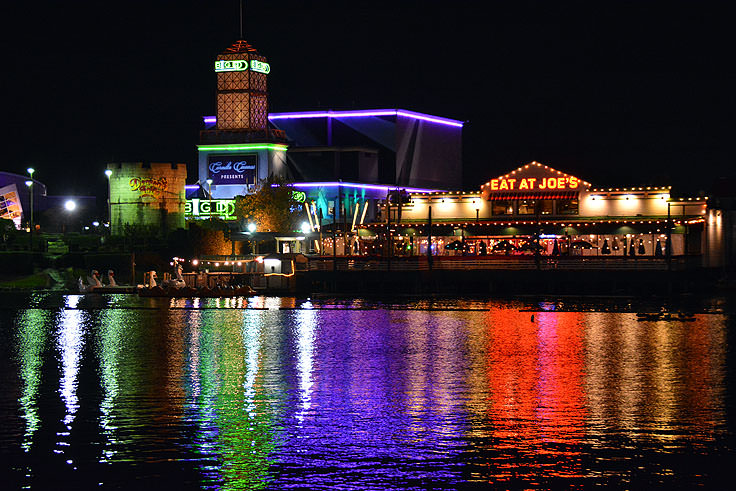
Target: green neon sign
pixel 241 66
pixel 299 196
pixel 206 208
pixel 241 147
pixel 231 65
pixel 260 66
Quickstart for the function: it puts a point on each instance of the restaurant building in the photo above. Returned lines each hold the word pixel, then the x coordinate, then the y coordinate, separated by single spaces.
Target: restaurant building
pixel 538 210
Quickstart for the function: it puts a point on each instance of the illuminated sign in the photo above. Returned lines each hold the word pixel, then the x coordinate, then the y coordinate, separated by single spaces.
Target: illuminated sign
pixel 241 66
pixel 232 169
pixel 10 207
pixel 534 183
pixel 206 208
pixel 260 66
pixel 149 186
pixel 231 65
pixel 299 196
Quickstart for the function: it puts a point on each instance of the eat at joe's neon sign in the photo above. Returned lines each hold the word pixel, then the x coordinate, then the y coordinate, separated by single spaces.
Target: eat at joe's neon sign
pixel 534 183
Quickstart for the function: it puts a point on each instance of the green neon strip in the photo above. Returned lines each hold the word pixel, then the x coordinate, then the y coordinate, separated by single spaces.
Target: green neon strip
pixel 245 146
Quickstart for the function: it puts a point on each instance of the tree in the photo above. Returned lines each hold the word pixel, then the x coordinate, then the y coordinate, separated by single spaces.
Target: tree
pixel 273 208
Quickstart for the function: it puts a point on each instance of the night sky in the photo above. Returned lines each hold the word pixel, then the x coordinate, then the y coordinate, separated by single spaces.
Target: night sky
pixel 617 93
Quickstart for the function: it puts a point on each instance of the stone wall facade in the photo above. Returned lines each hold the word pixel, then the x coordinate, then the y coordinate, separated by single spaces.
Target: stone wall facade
pixel 147 194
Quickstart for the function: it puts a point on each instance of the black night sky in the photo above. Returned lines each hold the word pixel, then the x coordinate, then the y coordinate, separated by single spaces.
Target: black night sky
pixel 619 93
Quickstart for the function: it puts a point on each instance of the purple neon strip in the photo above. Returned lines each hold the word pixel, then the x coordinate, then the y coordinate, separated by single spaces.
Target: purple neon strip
pixel 366 113
pixel 210 119
pixel 377 187
pixel 191 186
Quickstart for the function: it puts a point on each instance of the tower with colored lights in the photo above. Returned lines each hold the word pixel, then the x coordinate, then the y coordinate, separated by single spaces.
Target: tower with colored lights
pixel 237 148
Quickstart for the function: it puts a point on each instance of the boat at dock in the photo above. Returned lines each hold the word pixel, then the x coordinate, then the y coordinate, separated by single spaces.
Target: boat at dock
pixel 177 288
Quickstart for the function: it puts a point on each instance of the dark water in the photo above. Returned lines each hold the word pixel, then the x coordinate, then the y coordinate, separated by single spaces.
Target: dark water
pixel 275 393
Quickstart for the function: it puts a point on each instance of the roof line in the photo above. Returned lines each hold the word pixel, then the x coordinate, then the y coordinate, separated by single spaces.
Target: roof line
pixel 361 113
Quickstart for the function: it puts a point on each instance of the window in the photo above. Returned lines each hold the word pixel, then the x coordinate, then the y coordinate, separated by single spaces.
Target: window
pixel 502 207
pixel 545 206
pixel 567 206
pixel 526 206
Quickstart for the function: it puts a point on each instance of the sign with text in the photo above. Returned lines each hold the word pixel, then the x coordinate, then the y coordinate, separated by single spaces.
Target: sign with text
pixel 241 66
pixel 533 178
pixel 232 169
pixel 534 184
pixel 206 208
pixel 152 187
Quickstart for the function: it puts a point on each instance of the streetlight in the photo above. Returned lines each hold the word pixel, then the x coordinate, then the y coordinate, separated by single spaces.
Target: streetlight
pixel 251 230
pixel 69 206
pixel 209 191
pixel 29 183
pixel 108 173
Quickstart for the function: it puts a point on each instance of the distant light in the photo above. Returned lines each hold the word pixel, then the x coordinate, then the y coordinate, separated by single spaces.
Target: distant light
pixel 195 262
pixel 108 172
pixel 29 183
pixel 251 227
pixel 209 181
pixel 306 228
pixel 31 170
pixel 70 205
pixel 96 223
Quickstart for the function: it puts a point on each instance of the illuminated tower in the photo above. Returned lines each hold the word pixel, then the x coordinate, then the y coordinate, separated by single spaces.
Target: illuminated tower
pixel 242 100
pixel 238 149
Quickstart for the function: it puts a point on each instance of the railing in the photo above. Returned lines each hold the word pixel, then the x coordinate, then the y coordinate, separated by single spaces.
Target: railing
pixel 579 263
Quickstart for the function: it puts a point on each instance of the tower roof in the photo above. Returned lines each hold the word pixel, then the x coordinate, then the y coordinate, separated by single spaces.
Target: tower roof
pixel 241 46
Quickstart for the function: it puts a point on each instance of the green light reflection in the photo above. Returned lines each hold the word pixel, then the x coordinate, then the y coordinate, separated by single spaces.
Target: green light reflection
pixel 30 344
pixel 235 416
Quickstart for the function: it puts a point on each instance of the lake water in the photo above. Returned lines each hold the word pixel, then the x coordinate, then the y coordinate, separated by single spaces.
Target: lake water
pixel 116 392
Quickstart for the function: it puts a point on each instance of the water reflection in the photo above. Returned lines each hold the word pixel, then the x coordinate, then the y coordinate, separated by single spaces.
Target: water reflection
pixel 229 399
pixel 269 392
pixel 30 341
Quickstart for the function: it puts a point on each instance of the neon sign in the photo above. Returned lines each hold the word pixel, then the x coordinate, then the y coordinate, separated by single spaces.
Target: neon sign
pixel 238 169
pixel 260 66
pixel 534 183
pixel 241 66
pixel 206 208
pixel 231 65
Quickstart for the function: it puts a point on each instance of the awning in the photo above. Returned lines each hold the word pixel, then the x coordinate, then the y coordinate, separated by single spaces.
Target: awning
pixel 538 195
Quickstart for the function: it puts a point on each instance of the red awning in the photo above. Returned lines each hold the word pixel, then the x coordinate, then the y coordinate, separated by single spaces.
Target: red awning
pixel 540 195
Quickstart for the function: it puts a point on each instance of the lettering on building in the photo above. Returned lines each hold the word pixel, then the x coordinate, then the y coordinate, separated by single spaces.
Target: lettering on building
pixel 149 186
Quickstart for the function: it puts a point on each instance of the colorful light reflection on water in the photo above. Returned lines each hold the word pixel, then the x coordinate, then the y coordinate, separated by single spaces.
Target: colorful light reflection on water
pixel 269 393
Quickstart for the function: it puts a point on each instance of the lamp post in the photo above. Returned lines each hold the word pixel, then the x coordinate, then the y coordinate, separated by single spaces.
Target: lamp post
pixel 209 191
pixel 29 183
pixel 108 173
pixel 251 230
pixel 69 206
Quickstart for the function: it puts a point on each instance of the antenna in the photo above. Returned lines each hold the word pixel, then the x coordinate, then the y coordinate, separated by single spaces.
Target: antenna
pixel 241 19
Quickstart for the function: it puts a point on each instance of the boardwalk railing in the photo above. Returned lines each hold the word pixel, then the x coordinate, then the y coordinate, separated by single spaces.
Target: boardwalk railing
pixel 458 263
